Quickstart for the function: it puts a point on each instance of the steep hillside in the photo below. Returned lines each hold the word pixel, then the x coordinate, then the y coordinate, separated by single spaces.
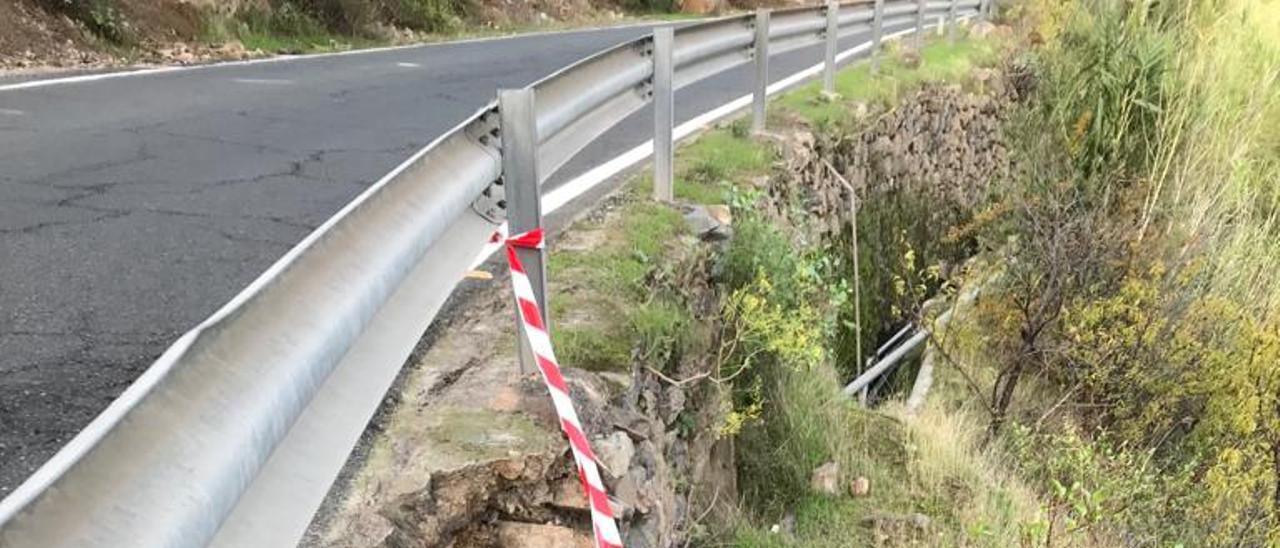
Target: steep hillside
pixel 101 33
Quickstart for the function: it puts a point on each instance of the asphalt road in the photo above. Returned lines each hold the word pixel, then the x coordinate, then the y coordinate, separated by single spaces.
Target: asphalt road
pixel 131 208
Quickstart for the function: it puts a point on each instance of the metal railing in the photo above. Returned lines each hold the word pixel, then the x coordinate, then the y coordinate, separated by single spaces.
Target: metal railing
pixel 234 435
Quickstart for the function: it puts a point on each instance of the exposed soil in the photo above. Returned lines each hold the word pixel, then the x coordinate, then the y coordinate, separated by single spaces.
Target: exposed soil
pixel 40 35
pixel 33 37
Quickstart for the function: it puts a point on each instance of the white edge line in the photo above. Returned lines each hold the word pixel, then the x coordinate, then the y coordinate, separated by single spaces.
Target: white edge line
pixel 149 71
pixel 582 184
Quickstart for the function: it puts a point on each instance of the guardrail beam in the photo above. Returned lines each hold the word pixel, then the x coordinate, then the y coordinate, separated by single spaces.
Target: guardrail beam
pixel 524 201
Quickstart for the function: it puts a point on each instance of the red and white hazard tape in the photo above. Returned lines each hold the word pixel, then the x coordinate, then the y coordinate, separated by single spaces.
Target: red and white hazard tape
pixel 606 531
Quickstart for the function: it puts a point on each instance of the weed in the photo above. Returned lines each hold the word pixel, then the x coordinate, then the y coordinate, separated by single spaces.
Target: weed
pixel 101 17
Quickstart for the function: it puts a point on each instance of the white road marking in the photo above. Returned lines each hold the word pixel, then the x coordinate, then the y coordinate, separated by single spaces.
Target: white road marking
pixel 12 112
pixel 146 71
pixel 265 81
pixel 408 65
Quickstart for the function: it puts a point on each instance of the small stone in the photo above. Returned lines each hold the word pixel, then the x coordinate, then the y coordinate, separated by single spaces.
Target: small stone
pixel 568 494
pixel 825 478
pixel 615 452
pixel 721 214
pixel 860 487
pixel 859 110
pixel 509 469
pixel 627 493
pixel 911 59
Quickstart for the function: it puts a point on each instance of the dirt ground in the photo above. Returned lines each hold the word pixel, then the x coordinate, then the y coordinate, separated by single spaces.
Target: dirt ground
pixel 31 37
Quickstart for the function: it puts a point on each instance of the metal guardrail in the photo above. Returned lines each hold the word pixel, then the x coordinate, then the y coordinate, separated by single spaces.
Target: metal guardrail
pixel 234 435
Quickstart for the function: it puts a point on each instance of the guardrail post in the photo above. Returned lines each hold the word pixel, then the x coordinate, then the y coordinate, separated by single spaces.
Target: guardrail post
pixel 663 114
pixel 760 96
pixel 832 39
pixel 951 21
pixel 877 35
pixel 524 202
pixel 919 24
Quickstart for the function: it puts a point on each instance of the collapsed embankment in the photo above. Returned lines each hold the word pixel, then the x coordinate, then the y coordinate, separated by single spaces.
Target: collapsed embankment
pixel 706 342
pixel 1104 378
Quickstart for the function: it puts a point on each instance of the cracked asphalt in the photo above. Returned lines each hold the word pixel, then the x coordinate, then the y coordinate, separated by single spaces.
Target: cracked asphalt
pixel 131 208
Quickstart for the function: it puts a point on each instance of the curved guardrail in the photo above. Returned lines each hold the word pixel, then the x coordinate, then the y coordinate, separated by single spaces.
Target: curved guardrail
pixel 233 436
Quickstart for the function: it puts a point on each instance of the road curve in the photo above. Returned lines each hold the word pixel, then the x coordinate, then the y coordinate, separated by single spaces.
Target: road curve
pixel 132 207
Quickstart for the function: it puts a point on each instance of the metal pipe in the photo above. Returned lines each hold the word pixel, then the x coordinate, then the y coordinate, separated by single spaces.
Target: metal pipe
pixel 894 339
pixel 884 364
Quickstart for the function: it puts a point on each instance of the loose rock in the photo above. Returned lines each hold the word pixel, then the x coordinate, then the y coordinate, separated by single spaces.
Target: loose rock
pixel 825 478
pixel 860 487
pixel 615 452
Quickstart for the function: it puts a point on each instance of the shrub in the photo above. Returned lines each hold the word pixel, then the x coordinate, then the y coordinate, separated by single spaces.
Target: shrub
pixel 101 17
pixel 425 15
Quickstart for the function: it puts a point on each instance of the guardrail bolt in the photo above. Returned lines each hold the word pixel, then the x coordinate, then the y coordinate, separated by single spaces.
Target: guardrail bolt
pixel 760 93
pixel 520 177
pixel 663 114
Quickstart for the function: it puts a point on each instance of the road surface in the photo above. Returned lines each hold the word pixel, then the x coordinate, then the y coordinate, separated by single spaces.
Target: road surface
pixel 133 207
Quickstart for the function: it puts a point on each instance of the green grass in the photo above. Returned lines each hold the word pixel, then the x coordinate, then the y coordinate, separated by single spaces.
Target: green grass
pixel 718 160
pixel 940 61
pixel 917 467
pixel 606 305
